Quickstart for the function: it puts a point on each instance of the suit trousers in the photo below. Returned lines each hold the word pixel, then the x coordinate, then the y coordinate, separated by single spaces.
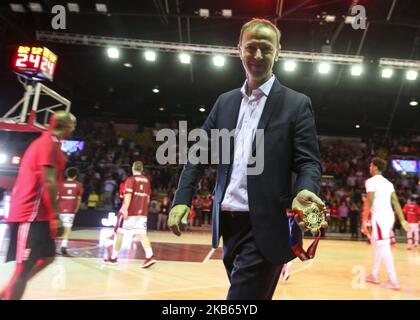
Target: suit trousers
pixel 251 276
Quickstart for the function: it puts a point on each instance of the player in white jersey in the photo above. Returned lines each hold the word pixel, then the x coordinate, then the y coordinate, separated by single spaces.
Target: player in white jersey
pixel 381 197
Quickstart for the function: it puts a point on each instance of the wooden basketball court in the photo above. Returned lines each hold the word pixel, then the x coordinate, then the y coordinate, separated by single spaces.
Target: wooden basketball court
pixel 187 268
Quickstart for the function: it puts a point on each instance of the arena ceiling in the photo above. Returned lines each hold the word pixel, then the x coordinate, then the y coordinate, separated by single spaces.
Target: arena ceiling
pixel 98 86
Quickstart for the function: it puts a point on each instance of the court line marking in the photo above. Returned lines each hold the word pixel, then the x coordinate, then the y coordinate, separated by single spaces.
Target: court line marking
pixel 207 258
pixel 304 267
pixel 71 249
pixel 137 293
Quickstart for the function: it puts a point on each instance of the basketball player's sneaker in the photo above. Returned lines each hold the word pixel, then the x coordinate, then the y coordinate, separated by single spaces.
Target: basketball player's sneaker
pixel 111 261
pixel 64 252
pixel 390 285
pixel 371 279
pixel 149 262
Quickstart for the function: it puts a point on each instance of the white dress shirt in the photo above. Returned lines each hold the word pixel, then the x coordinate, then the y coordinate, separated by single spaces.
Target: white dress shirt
pixel 236 196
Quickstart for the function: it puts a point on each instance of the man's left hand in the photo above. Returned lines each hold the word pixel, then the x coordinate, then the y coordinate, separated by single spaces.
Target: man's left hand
pixel 303 200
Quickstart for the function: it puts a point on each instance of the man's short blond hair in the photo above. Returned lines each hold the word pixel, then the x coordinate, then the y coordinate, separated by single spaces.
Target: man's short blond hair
pixel 61 119
pixel 258 22
pixel 138 166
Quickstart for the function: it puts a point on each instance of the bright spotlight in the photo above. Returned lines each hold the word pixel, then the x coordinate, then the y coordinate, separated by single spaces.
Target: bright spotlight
pixel 387 73
pixel 113 53
pixel 227 13
pixel 185 58
pixel 290 66
pixel 3 158
pixel 324 68
pixel 202 109
pixel 414 103
pixel 356 70
pixel 150 55
pixel 156 89
pixel 35 6
pixel 73 7
pixel 411 75
pixel 16 160
pixel 349 19
pixel 101 7
pixel 17 7
pixel 357 126
pixel 204 13
pixel 219 61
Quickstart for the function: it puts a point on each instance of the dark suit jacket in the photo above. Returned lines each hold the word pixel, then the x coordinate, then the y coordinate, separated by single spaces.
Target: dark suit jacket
pixel 290 145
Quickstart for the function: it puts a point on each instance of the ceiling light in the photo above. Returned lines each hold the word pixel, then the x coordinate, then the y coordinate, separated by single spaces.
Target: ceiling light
pixel 329 18
pixel 15 160
pixel 204 13
pixel 185 58
pixel 113 53
pixel 101 7
pixel 411 75
pixel 219 61
pixel 150 55
pixel 227 13
pixel 289 66
pixel 73 7
pixel 387 73
pixel 349 19
pixel 35 6
pixel 414 103
pixel 17 7
pixel 324 68
pixel 356 70
pixel 3 158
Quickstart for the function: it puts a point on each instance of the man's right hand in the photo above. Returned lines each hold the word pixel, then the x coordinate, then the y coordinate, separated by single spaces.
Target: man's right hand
pixel 179 214
pixel 404 225
pixel 364 229
pixel 124 212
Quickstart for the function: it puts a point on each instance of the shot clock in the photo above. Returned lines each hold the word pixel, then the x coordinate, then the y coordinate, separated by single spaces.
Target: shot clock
pixel 34 63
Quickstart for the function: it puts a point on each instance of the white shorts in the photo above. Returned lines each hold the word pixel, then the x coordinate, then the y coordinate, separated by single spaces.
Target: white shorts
pixel 134 225
pixel 413 227
pixel 382 230
pixel 67 219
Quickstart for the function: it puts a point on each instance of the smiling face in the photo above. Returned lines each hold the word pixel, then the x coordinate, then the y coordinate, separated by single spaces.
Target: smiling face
pixel 258 50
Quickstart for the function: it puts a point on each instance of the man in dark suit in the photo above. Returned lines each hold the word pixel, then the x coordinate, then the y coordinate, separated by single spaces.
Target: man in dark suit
pixel 249 210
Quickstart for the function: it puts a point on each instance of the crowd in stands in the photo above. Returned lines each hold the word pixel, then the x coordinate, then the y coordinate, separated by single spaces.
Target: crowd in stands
pixel 105 162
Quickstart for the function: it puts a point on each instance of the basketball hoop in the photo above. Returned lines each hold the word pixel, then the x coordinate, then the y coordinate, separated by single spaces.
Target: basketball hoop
pixel 18 118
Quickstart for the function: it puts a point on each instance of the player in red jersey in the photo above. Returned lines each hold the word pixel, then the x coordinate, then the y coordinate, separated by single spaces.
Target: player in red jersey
pixel 33 216
pixel 412 214
pixel 135 209
pixel 69 197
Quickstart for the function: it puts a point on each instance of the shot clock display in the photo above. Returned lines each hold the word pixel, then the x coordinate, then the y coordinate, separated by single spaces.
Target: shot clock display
pixel 35 63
